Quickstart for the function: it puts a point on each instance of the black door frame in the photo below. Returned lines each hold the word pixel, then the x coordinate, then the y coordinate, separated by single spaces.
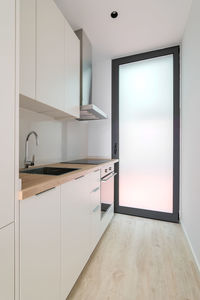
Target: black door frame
pixel 175 51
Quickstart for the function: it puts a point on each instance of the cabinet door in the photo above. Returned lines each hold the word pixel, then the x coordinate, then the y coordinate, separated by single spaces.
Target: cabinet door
pixel 27 47
pixel 75 235
pixel 72 72
pixel 50 55
pixel 40 246
pixel 7 263
pixel 7 112
pixel 95 210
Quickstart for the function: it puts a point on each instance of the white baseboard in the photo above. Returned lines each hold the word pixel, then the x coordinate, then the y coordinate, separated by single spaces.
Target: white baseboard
pixel 190 244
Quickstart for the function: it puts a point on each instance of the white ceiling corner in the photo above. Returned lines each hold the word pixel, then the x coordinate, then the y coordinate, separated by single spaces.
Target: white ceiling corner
pixel 142 24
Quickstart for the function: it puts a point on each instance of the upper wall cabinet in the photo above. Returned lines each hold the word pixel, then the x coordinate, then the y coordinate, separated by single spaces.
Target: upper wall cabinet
pixel 50 61
pixel 7 112
pixel 72 72
pixel 27 47
pixel 50 83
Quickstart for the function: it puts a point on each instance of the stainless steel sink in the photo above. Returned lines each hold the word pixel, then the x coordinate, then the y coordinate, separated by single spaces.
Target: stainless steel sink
pixel 49 171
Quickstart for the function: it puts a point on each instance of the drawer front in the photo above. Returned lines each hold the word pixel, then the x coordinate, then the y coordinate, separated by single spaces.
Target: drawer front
pixel 95 226
pixel 94 180
pixel 95 198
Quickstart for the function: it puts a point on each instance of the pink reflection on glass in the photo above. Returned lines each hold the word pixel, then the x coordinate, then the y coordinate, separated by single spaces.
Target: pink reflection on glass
pixel 146 191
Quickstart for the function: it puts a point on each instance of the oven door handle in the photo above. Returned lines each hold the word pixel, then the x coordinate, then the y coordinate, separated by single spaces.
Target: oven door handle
pixel 104 179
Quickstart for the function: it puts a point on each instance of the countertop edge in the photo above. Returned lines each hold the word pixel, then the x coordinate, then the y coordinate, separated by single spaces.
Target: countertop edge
pixel 54 181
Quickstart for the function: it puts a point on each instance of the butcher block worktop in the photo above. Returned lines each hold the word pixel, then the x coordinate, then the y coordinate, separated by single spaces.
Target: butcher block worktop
pixel 33 184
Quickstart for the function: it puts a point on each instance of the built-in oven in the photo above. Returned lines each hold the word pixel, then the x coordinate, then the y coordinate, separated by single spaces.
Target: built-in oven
pixel 107 188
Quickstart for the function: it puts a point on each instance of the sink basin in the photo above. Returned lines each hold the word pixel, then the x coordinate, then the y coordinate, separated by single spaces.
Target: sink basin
pixel 49 171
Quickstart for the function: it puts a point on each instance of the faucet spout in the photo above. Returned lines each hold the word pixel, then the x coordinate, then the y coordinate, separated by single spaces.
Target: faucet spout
pixel 28 163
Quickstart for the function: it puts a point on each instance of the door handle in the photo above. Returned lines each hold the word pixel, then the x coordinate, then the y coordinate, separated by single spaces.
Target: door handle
pixel 95 190
pixel 106 178
pixel 115 148
pixel 96 208
pixel 79 177
pixel 38 194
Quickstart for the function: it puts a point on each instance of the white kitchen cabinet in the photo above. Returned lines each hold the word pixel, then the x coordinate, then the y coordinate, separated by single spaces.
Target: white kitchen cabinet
pixel 59 229
pixel 72 72
pixel 7 262
pixel 95 210
pixel 40 246
pixel 80 226
pixel 50 55
pixel 7 112
pixel 28 48
pixel 75 230
pixel 49 61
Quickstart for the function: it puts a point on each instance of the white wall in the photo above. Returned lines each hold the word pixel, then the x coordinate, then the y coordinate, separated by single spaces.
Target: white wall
pixel 75 137
pixel 67 140
pixel 58 140
pixel 190 184
pixel 99 136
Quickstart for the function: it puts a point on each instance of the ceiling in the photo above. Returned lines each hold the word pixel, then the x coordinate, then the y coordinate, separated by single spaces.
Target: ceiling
pixel 141 25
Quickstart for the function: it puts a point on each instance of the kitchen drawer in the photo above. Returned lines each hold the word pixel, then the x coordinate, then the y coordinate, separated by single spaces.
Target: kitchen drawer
pixel 94 180
pixel 95 226
pixel 95 198
pixel 107 169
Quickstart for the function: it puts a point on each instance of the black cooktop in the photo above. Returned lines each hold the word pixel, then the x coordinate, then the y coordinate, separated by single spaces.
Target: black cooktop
pixel 86 161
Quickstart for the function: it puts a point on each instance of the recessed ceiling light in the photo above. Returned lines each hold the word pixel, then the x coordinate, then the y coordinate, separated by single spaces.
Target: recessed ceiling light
pixel 114 14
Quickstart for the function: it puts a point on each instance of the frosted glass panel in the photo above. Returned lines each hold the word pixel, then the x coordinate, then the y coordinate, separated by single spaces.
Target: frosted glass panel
pixel 146 134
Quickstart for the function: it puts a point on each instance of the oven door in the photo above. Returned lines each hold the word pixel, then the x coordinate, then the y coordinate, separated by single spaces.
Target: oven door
pixel 107 192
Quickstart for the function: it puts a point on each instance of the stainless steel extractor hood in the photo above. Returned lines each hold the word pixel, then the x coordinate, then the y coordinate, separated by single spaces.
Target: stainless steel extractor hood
pixel 88 111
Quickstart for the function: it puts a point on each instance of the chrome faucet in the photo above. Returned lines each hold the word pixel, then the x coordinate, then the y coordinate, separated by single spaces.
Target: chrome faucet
pixel 28 163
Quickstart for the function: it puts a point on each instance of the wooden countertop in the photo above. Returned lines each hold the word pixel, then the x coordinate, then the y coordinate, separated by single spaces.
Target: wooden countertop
pixel 33 184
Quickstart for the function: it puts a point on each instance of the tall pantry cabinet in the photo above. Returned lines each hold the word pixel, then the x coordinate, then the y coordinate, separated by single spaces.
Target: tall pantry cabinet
pixel 8 28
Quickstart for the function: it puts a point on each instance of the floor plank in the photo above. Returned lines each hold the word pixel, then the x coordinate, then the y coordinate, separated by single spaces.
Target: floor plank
pixel 139 259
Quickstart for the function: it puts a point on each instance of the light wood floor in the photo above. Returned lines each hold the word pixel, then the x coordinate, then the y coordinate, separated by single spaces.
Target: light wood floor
pixel 140 259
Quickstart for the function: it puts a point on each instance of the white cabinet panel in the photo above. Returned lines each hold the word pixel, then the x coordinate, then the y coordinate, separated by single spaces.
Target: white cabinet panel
pixel 72 72
pixel 50 55
pixel 49 61
pixel 27 47
pixel 75 235
pixel 7 112
pixel 40 246
pixel 7 263
pixel 80 226
pixel 95 209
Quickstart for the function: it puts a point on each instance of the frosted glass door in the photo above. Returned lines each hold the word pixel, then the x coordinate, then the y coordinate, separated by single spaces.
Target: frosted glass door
pixel 146 134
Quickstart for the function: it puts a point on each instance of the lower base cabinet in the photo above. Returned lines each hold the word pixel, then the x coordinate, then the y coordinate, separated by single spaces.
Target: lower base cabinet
pixel 80 216
pixel 74 231
pixel 7 262
pixel 40 247
pixel 59 229
pixel 95 217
